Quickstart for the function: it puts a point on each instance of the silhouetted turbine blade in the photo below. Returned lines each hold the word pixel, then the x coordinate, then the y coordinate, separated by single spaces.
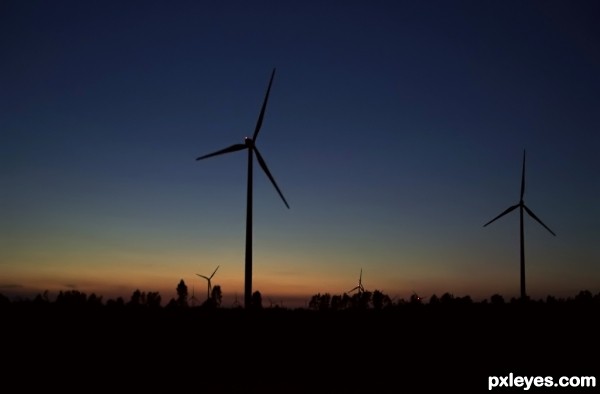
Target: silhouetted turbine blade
pixel 502 214
pixel 262 110
pixel 266 170
pixel 523 177
pixel 213 274
pixel 232 148
pixel 202 276
pixel 538 219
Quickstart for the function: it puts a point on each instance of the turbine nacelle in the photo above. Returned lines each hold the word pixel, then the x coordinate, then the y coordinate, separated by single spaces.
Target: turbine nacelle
pixel 249 142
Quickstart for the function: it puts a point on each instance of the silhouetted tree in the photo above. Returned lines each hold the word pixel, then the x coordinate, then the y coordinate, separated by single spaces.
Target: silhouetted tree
pixel 336 303
pixel 497 299
pixel 71 298
pixel 346 301
pixel 387 301
pixel 182 294
pixel 136 298
pixel 434 300
pixel 153 299
pixel 320 302
pixel 216 295
pixel 256 300
pixel 215 298
pixel 447 299
pixel 94 301
pixel 377 300
pixel 314 301
pixel 381 300
pixel 361 300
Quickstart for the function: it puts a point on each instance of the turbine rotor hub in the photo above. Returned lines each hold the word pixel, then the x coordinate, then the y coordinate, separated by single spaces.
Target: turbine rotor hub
pixel 249 142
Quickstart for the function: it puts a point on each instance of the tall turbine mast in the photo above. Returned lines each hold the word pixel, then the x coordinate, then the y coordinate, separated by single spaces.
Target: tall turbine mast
pixel 250 145
pixel 522 207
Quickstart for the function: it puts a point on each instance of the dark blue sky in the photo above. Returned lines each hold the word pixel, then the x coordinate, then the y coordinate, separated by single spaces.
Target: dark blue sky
pixel 395 130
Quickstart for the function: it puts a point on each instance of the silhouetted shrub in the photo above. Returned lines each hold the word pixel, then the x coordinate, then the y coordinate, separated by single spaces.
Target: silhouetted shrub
pixel 447 299
pixel 256 302
pixel 182 294
pixel 434 300
pixel 497 299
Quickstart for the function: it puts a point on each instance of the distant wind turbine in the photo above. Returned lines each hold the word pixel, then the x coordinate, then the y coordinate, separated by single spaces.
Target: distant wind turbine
pixel 416 298
pixel 358 287
pixel 208 278
pixel 522 207
pixel 193 299
pixel 250 145
pixel 235 303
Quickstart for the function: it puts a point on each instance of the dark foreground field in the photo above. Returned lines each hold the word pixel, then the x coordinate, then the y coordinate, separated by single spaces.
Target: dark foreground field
pixel 417 348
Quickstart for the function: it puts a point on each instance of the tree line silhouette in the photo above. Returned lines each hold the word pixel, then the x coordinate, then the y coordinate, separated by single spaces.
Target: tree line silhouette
pixel 362 300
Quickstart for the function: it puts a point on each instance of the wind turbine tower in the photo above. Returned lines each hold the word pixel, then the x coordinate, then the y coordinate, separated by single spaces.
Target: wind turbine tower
pixel 250 145
pixel 522 207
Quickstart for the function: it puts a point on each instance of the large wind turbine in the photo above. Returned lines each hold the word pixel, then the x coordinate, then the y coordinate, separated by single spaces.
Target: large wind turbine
pixel 208 278
pixel 521 205
pixel 250 145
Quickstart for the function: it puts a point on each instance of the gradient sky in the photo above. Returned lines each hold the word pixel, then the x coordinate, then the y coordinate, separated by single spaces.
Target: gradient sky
pixel 395 130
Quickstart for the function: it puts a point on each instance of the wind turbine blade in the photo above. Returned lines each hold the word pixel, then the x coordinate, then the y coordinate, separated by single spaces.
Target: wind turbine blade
pixel 523 177
pixel 538 219
pixel 266 170
pixel 213 274
pixel 202 276
pixel 350 291
pixel 502 214
pixel 262 111
pixel 232 148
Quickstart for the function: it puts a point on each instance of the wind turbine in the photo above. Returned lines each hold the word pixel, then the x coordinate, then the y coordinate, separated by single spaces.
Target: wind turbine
pixel 193 299
pixel 250 145
pixel 208 278
pixel 235 304
pixel 416 298
pixel 522 207
pixel 358 287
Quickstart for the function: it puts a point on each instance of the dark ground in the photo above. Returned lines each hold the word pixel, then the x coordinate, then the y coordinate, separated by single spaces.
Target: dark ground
pixel 417 348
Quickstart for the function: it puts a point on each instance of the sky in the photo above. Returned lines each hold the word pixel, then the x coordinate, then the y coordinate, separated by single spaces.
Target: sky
pixel 395 130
